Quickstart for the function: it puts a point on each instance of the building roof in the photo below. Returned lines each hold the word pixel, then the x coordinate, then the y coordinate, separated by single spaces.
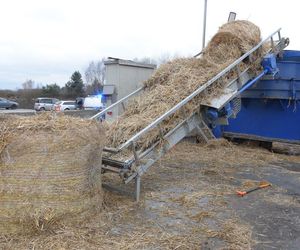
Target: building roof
pixel 119 61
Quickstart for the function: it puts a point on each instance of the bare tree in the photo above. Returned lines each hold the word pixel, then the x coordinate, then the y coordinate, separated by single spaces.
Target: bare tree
pixel 29 84
pixel 163 58
pixel 94 89
pixel 147 60
pixel 95 72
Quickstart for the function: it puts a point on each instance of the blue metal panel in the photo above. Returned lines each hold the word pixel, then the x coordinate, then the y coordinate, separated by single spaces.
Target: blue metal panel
pixel 274 89
pixel 289 65
pixel 270 108
pixel 286 83
pixel 278 119
pixel 291 55
pixel 288 69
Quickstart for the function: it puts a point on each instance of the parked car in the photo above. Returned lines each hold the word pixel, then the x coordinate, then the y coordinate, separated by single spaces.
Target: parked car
pixel 43 104
pixel 92 102
pixel 7 104
pixel 64 105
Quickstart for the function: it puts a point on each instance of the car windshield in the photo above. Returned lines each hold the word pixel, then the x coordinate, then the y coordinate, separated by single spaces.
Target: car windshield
pixel 46 101
pixel 58 103
pixel 69 103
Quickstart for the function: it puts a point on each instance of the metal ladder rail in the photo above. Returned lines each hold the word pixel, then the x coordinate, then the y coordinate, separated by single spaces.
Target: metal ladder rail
pixel 205 132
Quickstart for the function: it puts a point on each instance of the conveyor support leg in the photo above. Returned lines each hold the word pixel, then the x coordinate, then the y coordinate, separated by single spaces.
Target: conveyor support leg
pixel 137 188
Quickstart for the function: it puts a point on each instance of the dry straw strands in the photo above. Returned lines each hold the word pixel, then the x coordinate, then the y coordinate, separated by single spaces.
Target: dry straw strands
pixel 175 80
pixel 50 169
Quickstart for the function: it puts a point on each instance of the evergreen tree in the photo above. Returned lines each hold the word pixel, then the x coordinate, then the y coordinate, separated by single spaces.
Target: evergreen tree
pixel 51 90
pixel 75 86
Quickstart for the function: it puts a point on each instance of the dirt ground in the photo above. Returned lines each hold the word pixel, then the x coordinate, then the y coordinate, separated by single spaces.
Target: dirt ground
pixel 189 201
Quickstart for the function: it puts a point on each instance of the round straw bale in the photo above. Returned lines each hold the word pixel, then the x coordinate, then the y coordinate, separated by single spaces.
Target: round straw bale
pixel 232 41
pixel 50 171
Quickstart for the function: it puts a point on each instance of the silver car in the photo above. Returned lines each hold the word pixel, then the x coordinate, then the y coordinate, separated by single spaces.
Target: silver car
pixel 64 105
pixel 43 104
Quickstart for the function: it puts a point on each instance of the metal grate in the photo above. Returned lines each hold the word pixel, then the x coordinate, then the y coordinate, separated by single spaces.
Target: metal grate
pixel 237 105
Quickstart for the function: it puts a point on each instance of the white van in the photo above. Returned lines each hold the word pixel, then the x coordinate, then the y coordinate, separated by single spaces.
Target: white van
pixel 92 102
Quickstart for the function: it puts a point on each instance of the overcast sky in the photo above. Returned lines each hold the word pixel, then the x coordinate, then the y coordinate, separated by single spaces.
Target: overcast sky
pixel 47 40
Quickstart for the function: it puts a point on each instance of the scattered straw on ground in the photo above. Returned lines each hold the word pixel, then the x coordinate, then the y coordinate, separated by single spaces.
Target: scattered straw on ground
pixel 221 153
pixel 237 235
pixel 183 208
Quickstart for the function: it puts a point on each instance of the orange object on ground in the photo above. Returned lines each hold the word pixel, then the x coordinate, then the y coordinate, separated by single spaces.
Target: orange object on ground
pixel 263 184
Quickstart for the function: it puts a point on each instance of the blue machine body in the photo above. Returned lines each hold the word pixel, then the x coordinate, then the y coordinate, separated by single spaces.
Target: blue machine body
pixel 270 107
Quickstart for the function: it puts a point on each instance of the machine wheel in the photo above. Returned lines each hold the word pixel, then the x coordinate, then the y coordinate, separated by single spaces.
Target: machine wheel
pixel 42 109
pixel 67 109
pixel 14 106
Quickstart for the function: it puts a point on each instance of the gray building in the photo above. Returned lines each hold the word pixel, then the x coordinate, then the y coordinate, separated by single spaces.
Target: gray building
pixel 122 78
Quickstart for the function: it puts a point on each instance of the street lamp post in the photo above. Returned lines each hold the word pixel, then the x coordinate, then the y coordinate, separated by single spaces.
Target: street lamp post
pixel 204 24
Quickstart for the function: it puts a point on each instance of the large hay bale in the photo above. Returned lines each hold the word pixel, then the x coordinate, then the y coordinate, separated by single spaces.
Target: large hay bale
pixel 232 41
pixel 175 80
pixel 50 171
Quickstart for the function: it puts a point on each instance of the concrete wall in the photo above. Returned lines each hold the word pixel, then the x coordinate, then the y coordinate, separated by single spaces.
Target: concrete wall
pixel 22 112
pixel 131 78
pixel 126 79
pixel 112 74
pixel 86 114
pixel 81 113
